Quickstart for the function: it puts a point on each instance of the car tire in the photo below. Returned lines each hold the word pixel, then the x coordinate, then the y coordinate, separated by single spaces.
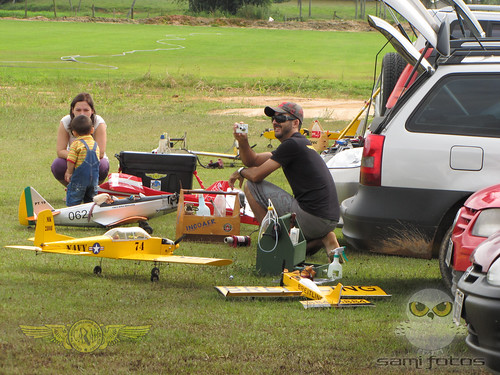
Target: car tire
pixel 446 272
pixel 393 65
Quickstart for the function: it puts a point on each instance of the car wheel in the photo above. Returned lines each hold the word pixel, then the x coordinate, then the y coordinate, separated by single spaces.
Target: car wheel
pixel 446 272
pixel 393 65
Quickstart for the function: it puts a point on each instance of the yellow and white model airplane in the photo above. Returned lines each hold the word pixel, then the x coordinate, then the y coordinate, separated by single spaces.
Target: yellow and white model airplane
pixel 131 243
pixel 349 131
pixel 294 285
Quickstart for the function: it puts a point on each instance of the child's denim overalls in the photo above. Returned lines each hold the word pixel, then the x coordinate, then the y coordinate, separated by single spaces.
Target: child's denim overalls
pixel 83 184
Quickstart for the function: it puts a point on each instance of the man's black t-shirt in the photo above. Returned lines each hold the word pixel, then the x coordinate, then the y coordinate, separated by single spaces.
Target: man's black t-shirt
pixel 308 176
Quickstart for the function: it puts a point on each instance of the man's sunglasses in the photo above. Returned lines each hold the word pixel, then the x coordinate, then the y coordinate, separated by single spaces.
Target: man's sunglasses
pixel 282 118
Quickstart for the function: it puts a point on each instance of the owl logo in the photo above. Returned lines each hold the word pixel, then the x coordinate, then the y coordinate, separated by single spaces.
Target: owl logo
pixel 430 326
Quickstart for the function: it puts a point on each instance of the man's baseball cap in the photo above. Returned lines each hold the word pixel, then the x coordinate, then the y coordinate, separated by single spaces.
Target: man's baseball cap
pixel 286 107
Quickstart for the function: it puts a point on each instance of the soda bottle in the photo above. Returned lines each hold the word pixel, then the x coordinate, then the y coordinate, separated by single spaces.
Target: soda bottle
pixel 316 129
pixel 236 241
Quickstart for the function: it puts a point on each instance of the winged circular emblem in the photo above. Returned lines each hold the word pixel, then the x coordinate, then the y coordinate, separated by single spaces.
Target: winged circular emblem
pixel 85 335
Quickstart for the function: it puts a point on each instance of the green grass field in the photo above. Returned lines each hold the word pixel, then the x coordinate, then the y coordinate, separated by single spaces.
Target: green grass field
pixel 319 9
pixel 193 329
pixel 183 55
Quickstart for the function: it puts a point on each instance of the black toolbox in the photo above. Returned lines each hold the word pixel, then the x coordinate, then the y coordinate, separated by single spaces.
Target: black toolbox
pixel 167 172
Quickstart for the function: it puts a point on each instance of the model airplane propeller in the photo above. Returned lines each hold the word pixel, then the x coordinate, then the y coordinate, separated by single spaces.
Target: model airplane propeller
pixel 131 243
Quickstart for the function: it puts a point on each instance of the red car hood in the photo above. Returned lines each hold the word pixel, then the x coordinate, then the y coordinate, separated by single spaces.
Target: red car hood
pixel 485 198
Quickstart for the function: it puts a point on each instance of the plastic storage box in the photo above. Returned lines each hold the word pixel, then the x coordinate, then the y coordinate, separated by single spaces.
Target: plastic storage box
pixel 166 172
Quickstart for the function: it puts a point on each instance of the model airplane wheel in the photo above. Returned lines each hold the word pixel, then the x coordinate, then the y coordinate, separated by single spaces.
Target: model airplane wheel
pixel 145 225
pixel 155 274
pixel 97 270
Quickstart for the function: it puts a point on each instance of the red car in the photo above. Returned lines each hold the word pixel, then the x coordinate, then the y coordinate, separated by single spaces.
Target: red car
pixel 475 222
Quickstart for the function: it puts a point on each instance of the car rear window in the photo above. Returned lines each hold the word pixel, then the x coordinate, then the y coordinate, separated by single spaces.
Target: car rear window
pixel 491 28
pixel 461 105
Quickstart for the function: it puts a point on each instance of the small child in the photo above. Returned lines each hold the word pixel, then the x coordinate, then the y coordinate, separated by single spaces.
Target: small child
pixel 82 172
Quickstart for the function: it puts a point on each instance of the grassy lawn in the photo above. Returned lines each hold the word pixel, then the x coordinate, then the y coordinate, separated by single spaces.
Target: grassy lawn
pixel 317 9
pixel 193 328
pixel 186 56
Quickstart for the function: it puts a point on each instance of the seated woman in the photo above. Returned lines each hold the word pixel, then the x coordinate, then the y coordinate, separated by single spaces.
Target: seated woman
pixel 82 104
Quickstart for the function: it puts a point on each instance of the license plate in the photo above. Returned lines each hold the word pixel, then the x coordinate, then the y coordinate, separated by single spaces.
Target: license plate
pixel 449 253
pixel 457 306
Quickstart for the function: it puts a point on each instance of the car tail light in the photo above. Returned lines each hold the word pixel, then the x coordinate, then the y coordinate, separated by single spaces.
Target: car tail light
pixel 371 163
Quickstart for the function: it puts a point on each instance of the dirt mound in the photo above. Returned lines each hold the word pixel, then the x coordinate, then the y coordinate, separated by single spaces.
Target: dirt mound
pixel 326 25
pixel 335 25
pixel 334 109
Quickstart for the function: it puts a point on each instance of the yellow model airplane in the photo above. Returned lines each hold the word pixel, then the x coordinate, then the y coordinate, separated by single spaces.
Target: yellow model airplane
pixel 132 243
pixel 293 285
pixel 349 131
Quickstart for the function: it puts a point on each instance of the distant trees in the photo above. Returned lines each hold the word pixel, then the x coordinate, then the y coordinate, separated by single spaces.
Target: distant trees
pixel 229 6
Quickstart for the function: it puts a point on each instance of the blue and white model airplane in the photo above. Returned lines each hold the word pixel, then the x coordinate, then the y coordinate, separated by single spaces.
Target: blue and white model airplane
pixel 105 211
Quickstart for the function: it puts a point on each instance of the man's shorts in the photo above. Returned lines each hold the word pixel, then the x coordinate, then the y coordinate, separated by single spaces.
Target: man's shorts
pixel 312 227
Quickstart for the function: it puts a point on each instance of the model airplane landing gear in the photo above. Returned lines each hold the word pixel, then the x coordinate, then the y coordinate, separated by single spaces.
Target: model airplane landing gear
pixel 98 269
pixel 155 274
pixel 145 225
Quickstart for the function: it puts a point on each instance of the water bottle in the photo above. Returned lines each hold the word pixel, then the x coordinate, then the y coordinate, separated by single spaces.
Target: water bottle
pixel 268 219
pixel 220 205
pixel 163 144
pixel 294 231
pixel 203 209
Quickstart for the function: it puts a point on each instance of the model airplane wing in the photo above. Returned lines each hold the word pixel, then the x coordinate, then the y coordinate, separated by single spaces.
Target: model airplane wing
pixel 282 291
pixel 319 297
pixel 112 221
pixel 357 291
pixel 179 259
pixel 32 248
pixel 53 251
pixel 344 302
pixel 257 291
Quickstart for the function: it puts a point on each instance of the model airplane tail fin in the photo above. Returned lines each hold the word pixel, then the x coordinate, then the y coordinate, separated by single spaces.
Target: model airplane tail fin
pixel 45 230
pixel 30 205
pixel 334 296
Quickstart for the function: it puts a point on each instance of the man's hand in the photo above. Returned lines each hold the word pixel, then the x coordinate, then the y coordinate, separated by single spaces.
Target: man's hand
pixel 235 177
